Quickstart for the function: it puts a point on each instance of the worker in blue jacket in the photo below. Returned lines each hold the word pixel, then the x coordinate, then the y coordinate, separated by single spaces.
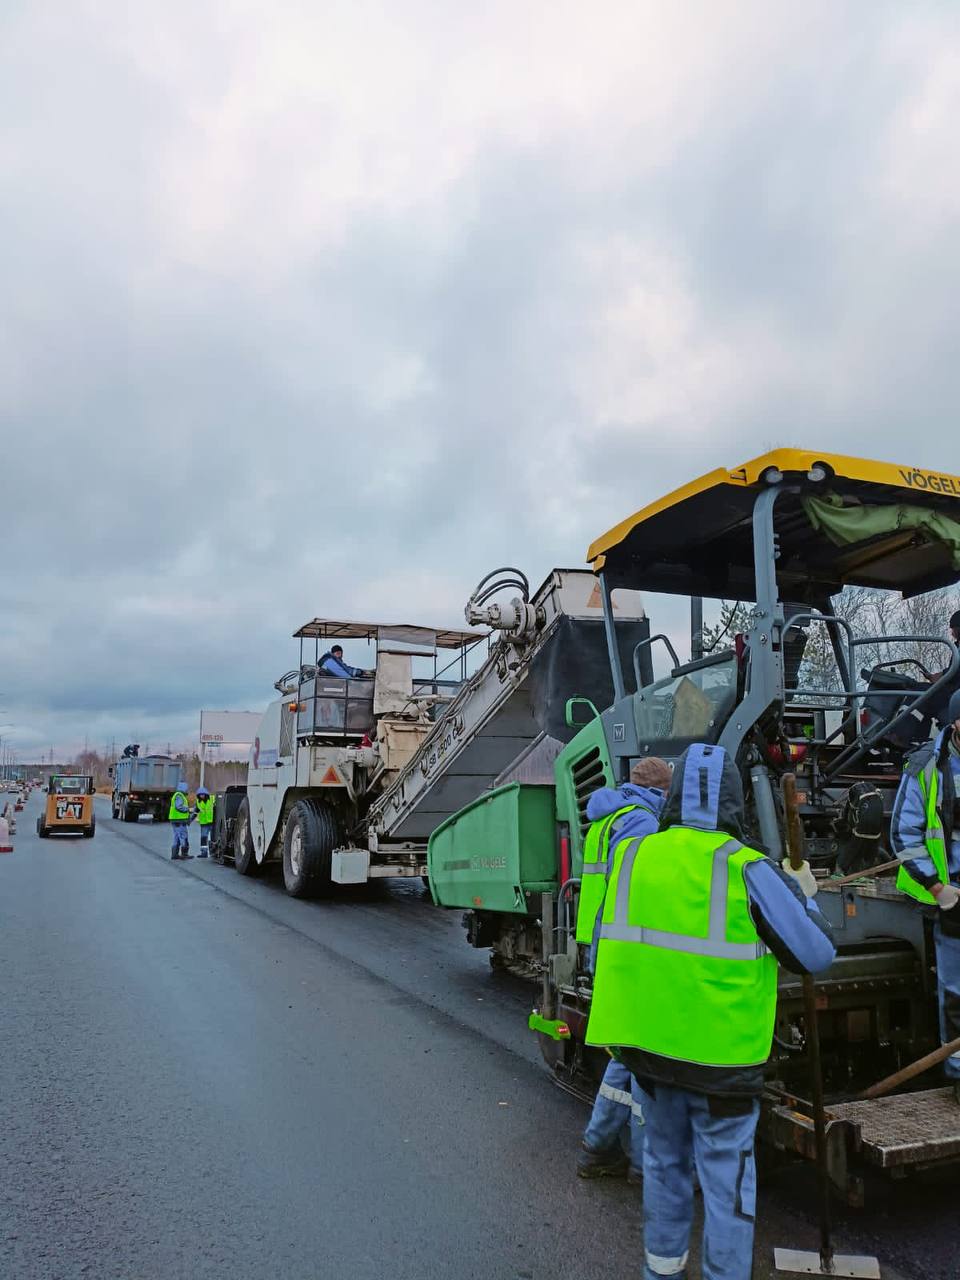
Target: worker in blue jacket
pixel 613 1140
pixel 692 1016
pixel 332 664
pixel 925 835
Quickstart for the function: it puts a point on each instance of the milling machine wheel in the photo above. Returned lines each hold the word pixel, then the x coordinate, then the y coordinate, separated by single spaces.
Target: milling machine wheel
pixel 308 843
pixel 244 858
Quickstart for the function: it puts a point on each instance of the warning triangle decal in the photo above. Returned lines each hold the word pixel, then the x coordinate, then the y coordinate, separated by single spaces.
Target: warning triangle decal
pixel 330 778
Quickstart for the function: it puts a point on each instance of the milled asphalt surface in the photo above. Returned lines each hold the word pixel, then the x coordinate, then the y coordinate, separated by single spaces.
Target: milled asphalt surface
pixel 201 1077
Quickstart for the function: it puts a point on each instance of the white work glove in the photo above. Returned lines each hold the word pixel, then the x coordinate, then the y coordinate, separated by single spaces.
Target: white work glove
pixel 947 898
pixel 803 876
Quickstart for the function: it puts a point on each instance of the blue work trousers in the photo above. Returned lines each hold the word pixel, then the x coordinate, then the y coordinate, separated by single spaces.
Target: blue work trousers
pixel 205 830
pixel 948 992
pixel 617 1116
pixel 680 1134
pixel 181 839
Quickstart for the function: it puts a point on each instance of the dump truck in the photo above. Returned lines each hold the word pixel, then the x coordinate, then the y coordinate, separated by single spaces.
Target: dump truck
pixel 68 809
pixel 783 535
pixel 348 777
pixel 144 784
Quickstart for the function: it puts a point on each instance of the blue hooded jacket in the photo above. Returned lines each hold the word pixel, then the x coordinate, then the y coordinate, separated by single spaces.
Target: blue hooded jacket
pixel 908 822
pixel 706 794
pixel 641 822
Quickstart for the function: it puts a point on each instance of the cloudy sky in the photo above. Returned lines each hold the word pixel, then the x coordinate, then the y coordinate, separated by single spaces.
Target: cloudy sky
pixel 329 306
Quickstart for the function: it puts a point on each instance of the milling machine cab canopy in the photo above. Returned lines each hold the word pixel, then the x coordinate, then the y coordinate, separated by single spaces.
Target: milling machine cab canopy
pixel 332 707
pixel 787 532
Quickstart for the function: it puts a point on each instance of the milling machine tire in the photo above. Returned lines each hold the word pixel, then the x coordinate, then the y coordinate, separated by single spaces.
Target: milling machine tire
pixel 42 831
pixel 244 858
pixel 308 843
pixel 91 831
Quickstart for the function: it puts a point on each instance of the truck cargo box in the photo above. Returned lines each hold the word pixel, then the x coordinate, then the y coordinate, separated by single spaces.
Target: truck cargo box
pixel 147 773
pixel 501 847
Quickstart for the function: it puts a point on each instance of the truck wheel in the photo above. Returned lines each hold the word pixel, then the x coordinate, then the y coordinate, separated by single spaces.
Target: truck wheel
pixel 244 858
pixel 308 843
pixel 90 831
pixel 218 837
pixel 115 811
pixel 129 812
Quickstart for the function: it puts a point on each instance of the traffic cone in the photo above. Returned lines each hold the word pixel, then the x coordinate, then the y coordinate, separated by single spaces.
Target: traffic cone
pixel 5 845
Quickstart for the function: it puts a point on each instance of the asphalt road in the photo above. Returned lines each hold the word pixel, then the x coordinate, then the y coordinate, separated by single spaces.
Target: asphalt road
pixel 201 1077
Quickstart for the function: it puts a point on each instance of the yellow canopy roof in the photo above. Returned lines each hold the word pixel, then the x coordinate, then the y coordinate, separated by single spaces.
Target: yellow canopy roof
pixel 698 539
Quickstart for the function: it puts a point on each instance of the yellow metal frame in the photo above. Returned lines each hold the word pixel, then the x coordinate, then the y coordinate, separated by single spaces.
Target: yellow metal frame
pixel 920 483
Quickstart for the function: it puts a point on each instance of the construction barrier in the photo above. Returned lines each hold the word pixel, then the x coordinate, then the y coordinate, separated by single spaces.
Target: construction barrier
pixel 5 844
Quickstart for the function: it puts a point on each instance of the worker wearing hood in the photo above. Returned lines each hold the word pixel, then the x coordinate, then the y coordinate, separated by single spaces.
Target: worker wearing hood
pixel 925 835
pixel 179 817
pixel 693 924
pixel 612 1143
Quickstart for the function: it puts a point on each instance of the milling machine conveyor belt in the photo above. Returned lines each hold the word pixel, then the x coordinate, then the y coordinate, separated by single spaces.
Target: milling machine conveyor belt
pixel 516 698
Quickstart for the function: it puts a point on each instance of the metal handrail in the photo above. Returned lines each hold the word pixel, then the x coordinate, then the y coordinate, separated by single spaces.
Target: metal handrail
pixel 859 748
pixel 642 644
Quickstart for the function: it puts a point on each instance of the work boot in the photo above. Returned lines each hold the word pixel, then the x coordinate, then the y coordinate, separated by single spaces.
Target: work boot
pixel 174 856
pixel 203 854
pixel 602 1164
pixel 186 854
pixel 635 1176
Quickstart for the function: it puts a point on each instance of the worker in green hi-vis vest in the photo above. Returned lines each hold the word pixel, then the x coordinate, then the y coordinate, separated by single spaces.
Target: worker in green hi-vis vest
pixel 612 1145
pixel 205 803
pixel 925 835
pixel 692 927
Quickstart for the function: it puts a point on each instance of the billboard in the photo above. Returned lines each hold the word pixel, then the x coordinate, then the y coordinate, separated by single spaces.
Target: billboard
pixel 219 729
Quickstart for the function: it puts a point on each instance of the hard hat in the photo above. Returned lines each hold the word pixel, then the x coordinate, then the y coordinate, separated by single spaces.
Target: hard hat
pixel 953 715
pixel 181 785
pixel 202 791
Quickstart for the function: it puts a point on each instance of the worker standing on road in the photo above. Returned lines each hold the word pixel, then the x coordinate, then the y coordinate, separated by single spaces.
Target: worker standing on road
pixel 180 816
pixel 925 835
pixel 332 664
pixel 205 804
pixel 615 813
pixel 686 993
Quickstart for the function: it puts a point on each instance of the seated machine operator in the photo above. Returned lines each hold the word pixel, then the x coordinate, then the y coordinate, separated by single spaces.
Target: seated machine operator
pixel 332 664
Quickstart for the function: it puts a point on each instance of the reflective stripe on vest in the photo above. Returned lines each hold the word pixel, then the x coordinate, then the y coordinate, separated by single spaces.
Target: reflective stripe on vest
pixel 175 814
pixel 714 944
pixel 681 971
pixel 596 863
pixel 928 780
pixel 205 811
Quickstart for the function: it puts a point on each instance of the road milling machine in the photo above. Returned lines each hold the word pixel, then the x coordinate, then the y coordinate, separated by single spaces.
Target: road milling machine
pixel 348 777
pixel 783 535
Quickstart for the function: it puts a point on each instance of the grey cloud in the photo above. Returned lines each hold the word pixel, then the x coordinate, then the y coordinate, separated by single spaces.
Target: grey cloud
pixel 210 435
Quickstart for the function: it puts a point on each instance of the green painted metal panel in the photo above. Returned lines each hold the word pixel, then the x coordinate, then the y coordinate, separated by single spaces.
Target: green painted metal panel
pixel 491 853
pixel 581 767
